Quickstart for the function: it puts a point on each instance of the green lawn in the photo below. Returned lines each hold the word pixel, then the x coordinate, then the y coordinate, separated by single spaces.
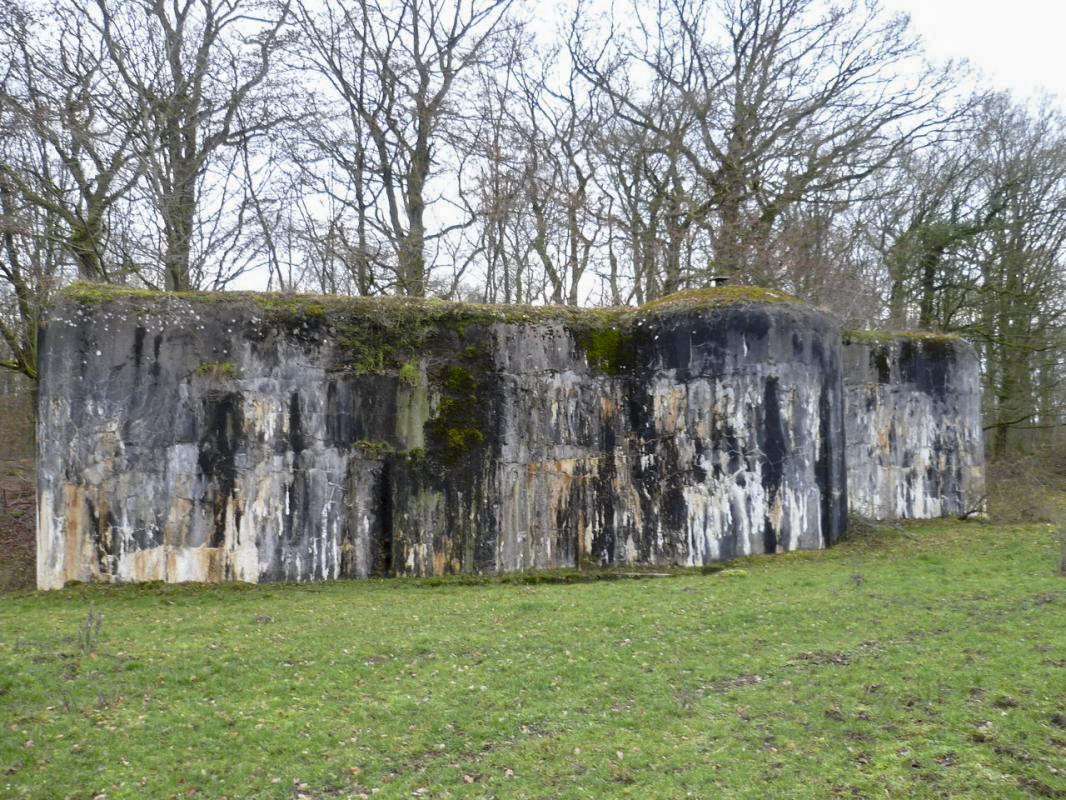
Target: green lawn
pixel 927 662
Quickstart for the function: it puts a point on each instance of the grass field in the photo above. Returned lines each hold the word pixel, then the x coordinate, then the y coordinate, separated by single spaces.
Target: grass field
pixel 928 661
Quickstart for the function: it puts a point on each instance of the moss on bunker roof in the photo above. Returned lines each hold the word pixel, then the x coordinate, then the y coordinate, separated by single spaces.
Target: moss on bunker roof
pixel 718 297
pixel 887 337
pixel 292 306
pixel 316 305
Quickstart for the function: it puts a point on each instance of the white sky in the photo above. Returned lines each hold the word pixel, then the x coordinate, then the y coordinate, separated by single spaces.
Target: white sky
pixel 1017 44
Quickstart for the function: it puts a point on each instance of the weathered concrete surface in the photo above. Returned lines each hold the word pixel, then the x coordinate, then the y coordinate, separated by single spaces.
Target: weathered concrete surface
pixel 915 447
pixel 258 438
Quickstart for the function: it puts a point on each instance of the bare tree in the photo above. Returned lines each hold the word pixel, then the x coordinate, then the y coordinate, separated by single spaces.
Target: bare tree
pixel 394 68
pixel 788 100
pixel 50 209
pixel 28 271
pixel 30 255
pixel 495 187
pixel 654 194
pixel 78 167
pixel 556 130
pixel 972 237
pixel 1022 317
pixel 181 73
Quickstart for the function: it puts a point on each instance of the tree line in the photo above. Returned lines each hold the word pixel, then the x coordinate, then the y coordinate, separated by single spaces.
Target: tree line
pixel 488 150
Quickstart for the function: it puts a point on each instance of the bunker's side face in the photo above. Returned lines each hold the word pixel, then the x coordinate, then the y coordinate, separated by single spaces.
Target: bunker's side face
pixel 913 417
pixel 261 438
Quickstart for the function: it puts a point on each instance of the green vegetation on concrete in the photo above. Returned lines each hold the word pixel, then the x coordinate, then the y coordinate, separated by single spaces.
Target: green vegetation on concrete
pixel 888 337
pixel 718 297
pixel 926 661
pixel 384 334
pixel 389 310
pixel 409 374
pixel 608 348
pixel 218 369
pixel 460 419
pixel 385 309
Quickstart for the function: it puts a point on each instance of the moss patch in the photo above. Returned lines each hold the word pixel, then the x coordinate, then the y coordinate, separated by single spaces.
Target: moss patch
pixel 457 427
pixel 609 348
pixel 410 374
pixel 220 369
pixel 386 308
pixel 380 341
pixel 87 291
pixel 290 308
pixel 378 327
pixel 888 337
pixel 718 297
pixel 374 449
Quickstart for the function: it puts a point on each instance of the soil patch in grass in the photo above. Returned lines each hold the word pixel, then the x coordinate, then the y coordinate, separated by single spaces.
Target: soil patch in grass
pixel 18 542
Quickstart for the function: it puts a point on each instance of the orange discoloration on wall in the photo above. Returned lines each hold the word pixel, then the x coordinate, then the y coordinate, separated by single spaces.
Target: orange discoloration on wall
pixel 441 563
pixel 207 564
pixel 148 565
pixel 79 553
pixel 607 404
pixel 176 526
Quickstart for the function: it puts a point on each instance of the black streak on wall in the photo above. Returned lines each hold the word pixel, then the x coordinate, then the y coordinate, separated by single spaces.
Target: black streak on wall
pixel 218 448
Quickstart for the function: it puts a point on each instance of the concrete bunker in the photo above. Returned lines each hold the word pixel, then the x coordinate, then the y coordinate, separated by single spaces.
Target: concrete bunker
pixel 915 446
pixel 202 437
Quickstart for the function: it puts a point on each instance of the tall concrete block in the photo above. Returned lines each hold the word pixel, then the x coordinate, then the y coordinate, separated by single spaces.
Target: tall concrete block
pixel 915 447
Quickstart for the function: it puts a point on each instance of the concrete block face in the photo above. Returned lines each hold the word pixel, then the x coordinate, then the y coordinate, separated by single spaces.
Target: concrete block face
pixel 258 438
pixel 915 446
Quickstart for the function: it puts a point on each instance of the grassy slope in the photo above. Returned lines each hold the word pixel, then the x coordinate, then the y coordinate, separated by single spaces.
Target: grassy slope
pixel 924 663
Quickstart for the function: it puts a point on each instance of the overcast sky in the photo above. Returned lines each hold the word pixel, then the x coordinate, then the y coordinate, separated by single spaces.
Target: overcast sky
pixel 1018 44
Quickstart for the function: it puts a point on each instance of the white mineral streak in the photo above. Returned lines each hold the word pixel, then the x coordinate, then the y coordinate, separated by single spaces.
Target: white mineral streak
pixel 50 567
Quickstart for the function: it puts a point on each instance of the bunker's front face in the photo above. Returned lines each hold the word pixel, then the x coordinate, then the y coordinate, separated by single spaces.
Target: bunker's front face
pixel 252 437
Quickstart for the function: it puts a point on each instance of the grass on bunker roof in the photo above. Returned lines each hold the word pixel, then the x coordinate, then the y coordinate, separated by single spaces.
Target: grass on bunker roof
pixel 926 661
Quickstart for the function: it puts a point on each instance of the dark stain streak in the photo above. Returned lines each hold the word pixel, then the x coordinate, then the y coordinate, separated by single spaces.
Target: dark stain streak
pixel 386 541
pixel 296 437
pixel 879 360
pixel 822 469
pixel 771 439
pixel 138 345
pixel 102 528
pixel 222 435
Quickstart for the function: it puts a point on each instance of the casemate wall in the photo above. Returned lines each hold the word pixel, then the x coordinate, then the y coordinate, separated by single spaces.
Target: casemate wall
pixel 915 445
pixel 189 437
